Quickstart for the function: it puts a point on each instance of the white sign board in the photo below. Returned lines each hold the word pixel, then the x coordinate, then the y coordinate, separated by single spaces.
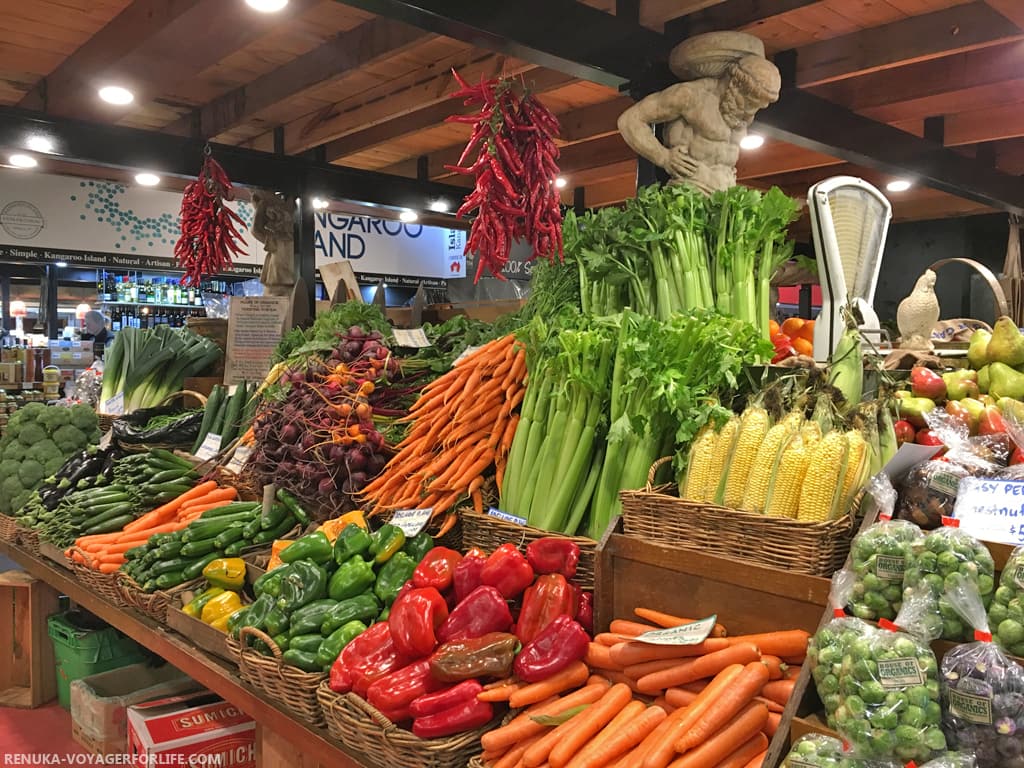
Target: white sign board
pixel 991 510
pixel 694 633
pixel 255 326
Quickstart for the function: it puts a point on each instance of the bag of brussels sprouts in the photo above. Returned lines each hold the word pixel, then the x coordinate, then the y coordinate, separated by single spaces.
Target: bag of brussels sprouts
pixel 941 554
pixel 879 557
pixel 953 760
pixel 825 650
pixel 814 750
pixel 1006 612
pixel 982 689
pixel 889 686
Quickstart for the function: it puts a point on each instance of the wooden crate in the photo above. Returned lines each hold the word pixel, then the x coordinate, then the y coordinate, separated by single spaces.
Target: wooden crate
pixel 28 675
pixel 54 554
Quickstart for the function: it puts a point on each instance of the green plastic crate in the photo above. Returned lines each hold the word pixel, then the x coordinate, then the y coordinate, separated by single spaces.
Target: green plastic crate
pixel 83 646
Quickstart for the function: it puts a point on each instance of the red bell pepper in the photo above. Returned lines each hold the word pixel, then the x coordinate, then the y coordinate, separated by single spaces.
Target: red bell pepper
pixel 585 610
pixel 483 611
pixel 551 555
pixel 398 690
pixel 507 571
pixel 558 645
pixel 437 569
pixel 397 715
pixel 466 716
pixel 368 657
pixel 550 596
pixel 432 703
pixel 414 619
pixel 467 573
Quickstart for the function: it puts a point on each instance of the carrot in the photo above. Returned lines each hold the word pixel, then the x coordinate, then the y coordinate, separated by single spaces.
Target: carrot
pixel 703 666
pixel 569 678
pixel 629 628
pixel 680 697
pixel 790 642
pixel 758 760
pixel 726 706
pixel 609 638
pixel 662 702
pixel 743 727
pixel 696 686
pixel 523 726
pixel 635 758
pixel 756 745
pixel 142 536
pixel 795 660
pixel 109 567
pixel 660 753
pixel 636 671
pixel 595 678
pixel 792 672
pixel 218 494
pixel 515 754
pixel 540 752
pixel 620 678
pixel 193 493
pixel 668 620
pixel 634 652
pixel 628 729
pixel 194 511
pixel 582 759
pixel 773 706
pixel 500 693
pixel 779 691
pixel 774 720
pixel 588 723
pixel 776 667
pixel 600 656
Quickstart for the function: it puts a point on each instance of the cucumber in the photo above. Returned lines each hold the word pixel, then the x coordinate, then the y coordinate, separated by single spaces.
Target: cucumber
pixel 170 476
pixel 118 510
pixel 218 419
pixel 167 456
pixel 212 405
pixel 116 524
pixel 232 415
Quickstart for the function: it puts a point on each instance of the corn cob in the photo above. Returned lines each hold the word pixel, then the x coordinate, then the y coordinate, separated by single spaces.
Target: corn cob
pixel 811 433
pixel 756 493
pixel 698 468
pixel 858 464
pixel 753 428
pixel 724 444
pixel 886 433
pixel 825 472
pixel 787 479
pixel 846 368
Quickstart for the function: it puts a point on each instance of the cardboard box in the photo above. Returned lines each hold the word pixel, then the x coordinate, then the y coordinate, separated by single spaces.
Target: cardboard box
pixel 200 729
pixel 99 703
pixel 11 373
pixel 71 354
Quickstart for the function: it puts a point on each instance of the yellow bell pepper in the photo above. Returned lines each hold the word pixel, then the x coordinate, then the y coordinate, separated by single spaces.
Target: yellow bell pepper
pixel 222 605
pixel 332 528
pixel 221 624
pixel 194 607
pixel 226 573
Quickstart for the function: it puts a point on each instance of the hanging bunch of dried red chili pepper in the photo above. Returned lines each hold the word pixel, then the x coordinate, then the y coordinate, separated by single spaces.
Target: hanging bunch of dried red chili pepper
pixel 210 231
pixel 515 197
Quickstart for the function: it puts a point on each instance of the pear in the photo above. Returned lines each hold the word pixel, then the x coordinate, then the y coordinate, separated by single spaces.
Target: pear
pixel 983 379
pixel 1013 410
pixel 977 351
pixel 1005 382
pixel 1007 344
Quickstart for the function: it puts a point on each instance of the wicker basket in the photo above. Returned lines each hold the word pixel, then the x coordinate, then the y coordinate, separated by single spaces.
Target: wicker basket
pixel 28 539
pixel 103 584
pixel 8 529
pixel 282 683
pixel 477 762
pixel 817 549
pixel 489 533
pixel 153 604
pixel 106 422
pixel 362 728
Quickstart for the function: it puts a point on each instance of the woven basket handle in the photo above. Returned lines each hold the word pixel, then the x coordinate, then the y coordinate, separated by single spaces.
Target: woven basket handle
pixel 1002 308
pixel 197 395
pixel 85 556
pixel 654 471
pixel 259 634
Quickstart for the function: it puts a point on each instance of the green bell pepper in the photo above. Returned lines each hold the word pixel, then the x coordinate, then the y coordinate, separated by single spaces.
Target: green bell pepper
pixel 307 643
pixel 313 546
pixel 301 659
pixel 352 578
pixel 365 607
pixel 309 618
pixel 281 641
pixel 384 542
pixel 332 646
pixel 351 542
pixel 256 615
pixel 270 582
pixel 418 546
pixel 392 576
pixel 293 505
pixel 277 622
pixel 305 582
pixel 234 624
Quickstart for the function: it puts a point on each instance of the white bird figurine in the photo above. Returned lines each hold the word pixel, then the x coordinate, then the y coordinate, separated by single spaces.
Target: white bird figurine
pixel 917 314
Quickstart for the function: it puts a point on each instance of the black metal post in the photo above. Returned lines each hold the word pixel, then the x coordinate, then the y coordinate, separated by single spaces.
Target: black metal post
pixel 5 302
pixel 805 301
pixel 579 200
pixel 49 293
pixel 305 246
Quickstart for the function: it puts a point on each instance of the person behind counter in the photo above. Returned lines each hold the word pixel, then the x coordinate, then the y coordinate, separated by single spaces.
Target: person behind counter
pixel 96 331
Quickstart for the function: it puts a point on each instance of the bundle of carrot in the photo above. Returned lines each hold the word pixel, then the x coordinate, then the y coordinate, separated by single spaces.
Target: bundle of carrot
pixel 463 425
pixel 106 552
pixel 712 705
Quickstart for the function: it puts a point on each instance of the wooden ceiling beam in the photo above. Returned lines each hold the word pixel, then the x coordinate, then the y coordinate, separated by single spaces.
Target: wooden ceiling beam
pixel 368 43
pixel 777 157
pixel 134 49
pixel 918 38
pixel 1011 9
pixel 730 14
pixel 609 192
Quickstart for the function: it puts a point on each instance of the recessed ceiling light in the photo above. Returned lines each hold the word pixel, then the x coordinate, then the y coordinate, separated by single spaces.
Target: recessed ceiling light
pixel 319 205
pixel 752 141
pixel 115 94
pixel 61 264
pixel 408 216
pixel 267 6
pixel 23 161
pixel 560 182
pixel 440 206
pixel 39 144
pixel 898 185
pixel 147 179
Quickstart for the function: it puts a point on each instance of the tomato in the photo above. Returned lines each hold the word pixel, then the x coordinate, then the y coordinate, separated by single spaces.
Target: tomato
pixel 803 346
pixel 780 340
pixel 807 331
pixel 773 328
pixel 791 326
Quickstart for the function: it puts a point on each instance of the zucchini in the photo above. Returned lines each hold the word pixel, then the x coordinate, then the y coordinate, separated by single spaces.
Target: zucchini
pixel 114 524
pixel 199 548
pixel 212 405
pixel 167 456
pixel 217 425
pixel 168 580
pixel 169 550
pixel 208 529
pixel 170 475
pixel 175 564
pixel 229 536
pixel 232 415
pixel 195 570
pixel 229 509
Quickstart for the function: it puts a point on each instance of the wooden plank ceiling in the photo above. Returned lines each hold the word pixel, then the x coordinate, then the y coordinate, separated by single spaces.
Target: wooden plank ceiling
pixel 372 93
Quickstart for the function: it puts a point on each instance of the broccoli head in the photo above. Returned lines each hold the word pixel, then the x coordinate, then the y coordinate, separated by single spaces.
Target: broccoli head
pixel 18 502
pixel 70 439
pixel 14 451
pixel 42 451
pixel 54 417
pixel 84 417
pixel 31 434
pixel 30 412
pixel 8 468
pixel 9 489
pixel 30 473
pixel 53 465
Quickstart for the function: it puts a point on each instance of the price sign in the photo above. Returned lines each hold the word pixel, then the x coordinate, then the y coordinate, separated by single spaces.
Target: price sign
pixel 506 516
pixel 411 521
pixel 114 406
pixel 991 510
pixel 209 448
pixel 414 338
pixel 465 353
pixel 694 633
pixel 240 457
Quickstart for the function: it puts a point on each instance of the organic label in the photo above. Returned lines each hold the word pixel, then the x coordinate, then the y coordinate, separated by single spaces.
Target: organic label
pixel 693 633
pixel 209 448
pixel 900 673
pixel 1018 576
pixel 943 482
pixel 114 406
pixel 889 568
pixel 414 338
pixel 974 706
pixel 238 460
pixel 411 521
pixel 506 516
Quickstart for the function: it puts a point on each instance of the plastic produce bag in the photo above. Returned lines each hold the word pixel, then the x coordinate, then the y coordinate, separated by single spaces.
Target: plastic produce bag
pixel 1006 611
pixel 826 649
pixel 940 555
pixel 889 687
pixel 982 689
pixel 131 429
pixel 953 760
pixel 814 750
pixel 879 558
